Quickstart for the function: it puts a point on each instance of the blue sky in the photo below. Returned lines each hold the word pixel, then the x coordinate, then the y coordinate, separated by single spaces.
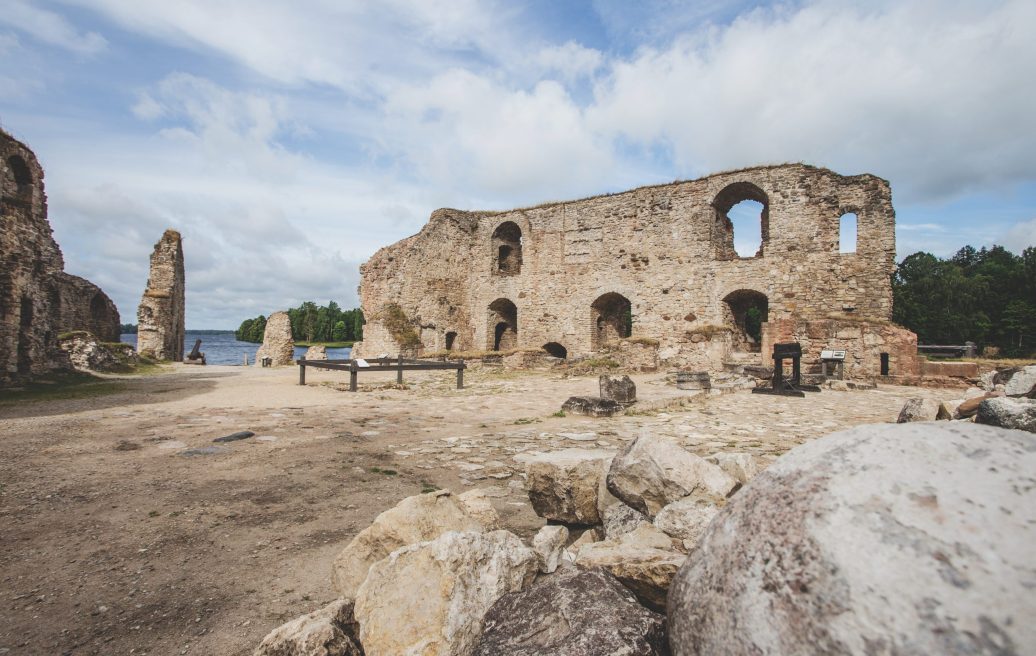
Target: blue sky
pixel 289 141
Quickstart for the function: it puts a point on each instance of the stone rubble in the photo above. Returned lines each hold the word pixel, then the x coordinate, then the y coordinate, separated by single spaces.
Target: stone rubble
pixel 1007 412
pixel 620 389
pixel 922 409
pixel 568 486
pixel 549 545
pixel 329 631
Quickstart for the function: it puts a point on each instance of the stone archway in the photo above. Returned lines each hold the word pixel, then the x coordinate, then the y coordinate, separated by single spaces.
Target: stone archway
pixel 745 311
pixel 611 317
pixel 556 350
pixel 503 325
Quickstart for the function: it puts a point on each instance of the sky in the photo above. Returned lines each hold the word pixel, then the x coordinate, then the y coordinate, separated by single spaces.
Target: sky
pixel 288 141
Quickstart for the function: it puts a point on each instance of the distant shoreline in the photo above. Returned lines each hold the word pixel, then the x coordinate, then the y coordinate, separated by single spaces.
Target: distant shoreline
pixel 326 344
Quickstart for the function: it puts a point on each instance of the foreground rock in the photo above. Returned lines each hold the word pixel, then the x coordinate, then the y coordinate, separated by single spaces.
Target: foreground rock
pixel 644 561
pixel 653 472
pixel 568 485
pixel 430 598
pixel 549 544
pixel 1022 382
pixel 278 344
pixel 326 632
pixel 414 519
pixel 881 539
pixel 160 316
pixel 686 520
pixel 1005 412
pixel 969 407
pixel 619 519
pixel 919 409
pixel 740 466
pixel 575 612
pixel 592 406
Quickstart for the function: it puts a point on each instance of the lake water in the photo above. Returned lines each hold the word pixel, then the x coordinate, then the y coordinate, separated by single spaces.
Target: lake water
pixel 224 348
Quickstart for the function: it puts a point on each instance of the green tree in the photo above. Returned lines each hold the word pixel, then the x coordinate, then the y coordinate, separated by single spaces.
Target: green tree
pixel 338 334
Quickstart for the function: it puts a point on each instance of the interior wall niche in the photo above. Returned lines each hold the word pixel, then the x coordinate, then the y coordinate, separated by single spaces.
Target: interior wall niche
pixel 848 232
pixel 745 311
pixel 451 339
pixel 503 325
pixel 507 249
pixel 749 206
pixel 556 350
pixel 611 317
pixel 18 181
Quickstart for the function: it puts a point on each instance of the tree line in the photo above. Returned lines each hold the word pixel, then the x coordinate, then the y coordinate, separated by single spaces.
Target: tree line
pixel 987 296
pixel 311 323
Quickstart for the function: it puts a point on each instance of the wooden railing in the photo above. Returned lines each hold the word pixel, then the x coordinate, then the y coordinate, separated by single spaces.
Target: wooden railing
pixel 398 364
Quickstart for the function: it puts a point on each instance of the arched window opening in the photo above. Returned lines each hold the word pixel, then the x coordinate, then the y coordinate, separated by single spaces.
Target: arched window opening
pixel 98 312
pixel 507 249
pixel 503 325
pixel 25 325
pixel 847 233
pixel 556 350
pixel 742 225
pixel 18 180
pixel 746 311
pixel 451 337
pixel 612 317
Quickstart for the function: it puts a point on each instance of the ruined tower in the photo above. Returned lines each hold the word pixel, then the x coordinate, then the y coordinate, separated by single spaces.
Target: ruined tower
pixel 38 300
pixel 160 317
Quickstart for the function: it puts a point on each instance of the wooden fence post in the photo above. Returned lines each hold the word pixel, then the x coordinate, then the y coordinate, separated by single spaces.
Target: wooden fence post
pixel 302 371
pixel 460 375
pixel 399 372
pixel 352 377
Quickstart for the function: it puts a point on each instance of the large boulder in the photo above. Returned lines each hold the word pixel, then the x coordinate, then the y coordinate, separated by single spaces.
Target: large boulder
pixel 325 632
pixel 741 466
pixel 922 409
pixel 619 519
pixel 1006 412
pixel 686 519
pixel 414 519
pixel 568 485
pixel 1022 383
pixel 278 344
pixel 430 598
pixel 575 612
pixel 652 472
pixel 643 560
pixel 892 539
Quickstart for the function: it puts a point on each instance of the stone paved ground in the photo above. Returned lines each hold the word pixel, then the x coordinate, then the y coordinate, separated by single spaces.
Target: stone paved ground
pixel 116 540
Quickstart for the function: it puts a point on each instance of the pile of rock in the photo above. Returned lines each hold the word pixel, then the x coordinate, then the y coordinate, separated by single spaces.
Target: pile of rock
pixel 617 394
pixel 1006 398
pixel 87 353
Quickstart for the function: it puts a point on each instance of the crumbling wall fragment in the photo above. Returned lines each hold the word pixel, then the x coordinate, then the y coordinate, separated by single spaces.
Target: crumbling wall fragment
pixel 160 316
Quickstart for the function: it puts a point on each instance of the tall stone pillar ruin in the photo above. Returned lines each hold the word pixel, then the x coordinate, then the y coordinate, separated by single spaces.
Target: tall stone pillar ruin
pixel 160 317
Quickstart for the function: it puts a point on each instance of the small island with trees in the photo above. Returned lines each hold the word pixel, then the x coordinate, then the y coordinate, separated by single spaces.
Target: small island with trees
pixel 311 324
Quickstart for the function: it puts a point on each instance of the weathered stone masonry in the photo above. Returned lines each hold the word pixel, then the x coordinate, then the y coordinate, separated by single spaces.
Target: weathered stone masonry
pixel 571 274
pixel 160 316
pixel 38 300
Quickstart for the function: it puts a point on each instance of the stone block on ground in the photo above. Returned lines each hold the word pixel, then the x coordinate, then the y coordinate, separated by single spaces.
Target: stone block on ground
pixel 414 519
pixel 1007 412
pixel 969 407
pixel 693 380
pixel 686 519
pixel 569 485
pixel 575 612
pixel 1022 383
pixel 619 519
pixel 329 631
pixel 431 597
pixel 915 538
pixel 921 409
pixel 643 560
pixel 549 544
pixel 652 472
pixel 620 389
pixel 740 466
pixel 278 344
pixel 592 406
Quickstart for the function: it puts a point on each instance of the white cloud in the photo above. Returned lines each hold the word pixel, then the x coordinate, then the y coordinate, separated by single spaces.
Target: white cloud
pixel 51 28
pixel 1020 236
pixel 926 93
pixel 571 60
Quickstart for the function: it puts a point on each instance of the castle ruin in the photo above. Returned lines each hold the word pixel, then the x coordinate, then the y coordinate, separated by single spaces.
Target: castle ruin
pixel 160 316
pixel 653 266
pixel 38 300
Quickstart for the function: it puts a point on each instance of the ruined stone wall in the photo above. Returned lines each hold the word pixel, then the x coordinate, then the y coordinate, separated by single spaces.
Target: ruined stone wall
pixel 38 301
pixel 666 250
pixel 160 316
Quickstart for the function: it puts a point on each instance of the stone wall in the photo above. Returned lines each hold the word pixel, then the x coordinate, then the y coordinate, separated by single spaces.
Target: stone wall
pixel 38 301
pixel 160 316
pixel 572 273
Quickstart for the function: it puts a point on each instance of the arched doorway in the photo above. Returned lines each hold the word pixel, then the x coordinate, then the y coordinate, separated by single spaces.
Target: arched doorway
pixel 745 311
pixel 556 350
pixel 611 318
pixel 503 325
pixel 507 249
pixel 451 338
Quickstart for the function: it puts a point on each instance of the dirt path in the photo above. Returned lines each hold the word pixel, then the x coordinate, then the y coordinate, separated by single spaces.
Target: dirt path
pixel 171 544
